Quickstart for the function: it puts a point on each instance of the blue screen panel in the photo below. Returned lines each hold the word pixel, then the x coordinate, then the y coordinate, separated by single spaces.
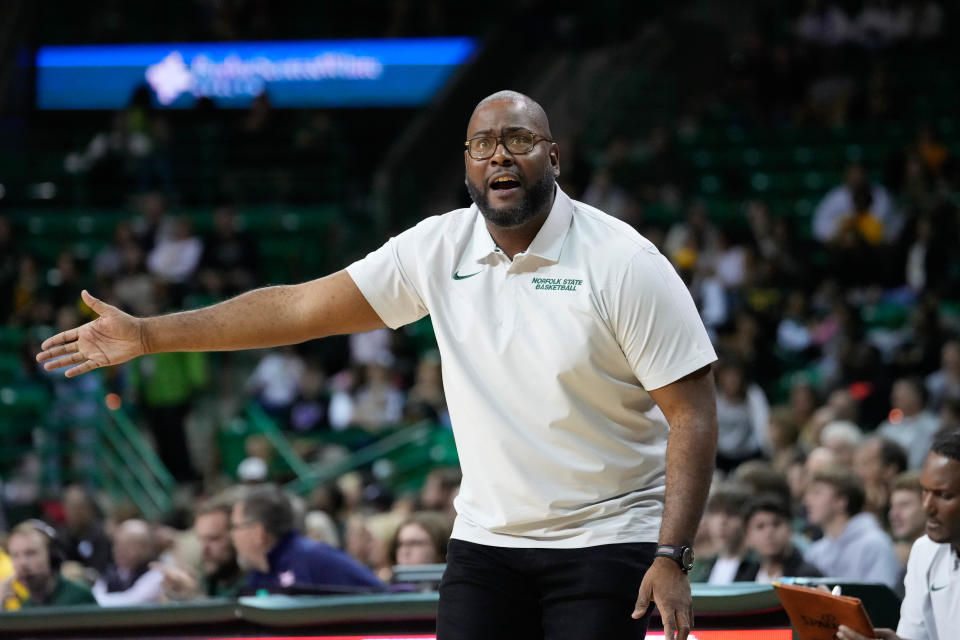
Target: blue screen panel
pixel 320 73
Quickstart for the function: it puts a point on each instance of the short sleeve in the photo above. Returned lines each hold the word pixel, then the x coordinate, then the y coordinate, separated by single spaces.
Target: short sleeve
pixel 657 323
pixel 386 278
pixel 912 620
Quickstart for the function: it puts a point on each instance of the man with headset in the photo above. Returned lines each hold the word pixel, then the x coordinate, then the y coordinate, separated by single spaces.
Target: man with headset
pixel 36 565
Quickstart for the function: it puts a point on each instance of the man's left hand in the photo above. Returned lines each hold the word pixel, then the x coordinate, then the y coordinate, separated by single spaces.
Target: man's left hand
pixel 668 587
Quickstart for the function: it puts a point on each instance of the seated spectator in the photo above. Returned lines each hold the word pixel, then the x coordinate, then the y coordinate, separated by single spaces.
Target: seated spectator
pixel 950 415
pixel 783 431
pixel 221 576
pixel 311 409
pixel 230 260
pixel 262 526
pixel 910 424
pixel 769 537
pixel 421 539
pixel 842 438
pixel 378 403
pixel 877 462
pixel 82 536
pixel 743 414
pixel 725 522
pixel 275 382
pixel 319 526
pixel 944 383
pixel 425 399
pixel 134 287
pixel 36 564
pixel 130 580
pixel 837 207
pixel 853 547
pixel 175 259
pixel 907 518
pixel 440 489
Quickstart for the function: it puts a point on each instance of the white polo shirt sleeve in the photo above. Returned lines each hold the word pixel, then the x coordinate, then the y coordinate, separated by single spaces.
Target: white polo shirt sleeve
pixel 388 279
pixel 915 610
pixel 656 322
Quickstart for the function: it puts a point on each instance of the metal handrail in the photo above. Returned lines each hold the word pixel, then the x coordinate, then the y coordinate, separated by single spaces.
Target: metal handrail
pixel 265 425
pixel 131 467
pixel 144 450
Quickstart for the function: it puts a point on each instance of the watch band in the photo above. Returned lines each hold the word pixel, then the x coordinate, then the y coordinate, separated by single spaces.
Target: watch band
pixel 682 555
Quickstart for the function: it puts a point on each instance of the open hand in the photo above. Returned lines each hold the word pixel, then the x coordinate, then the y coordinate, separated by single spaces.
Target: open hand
pixel 669 588
pixel 113 338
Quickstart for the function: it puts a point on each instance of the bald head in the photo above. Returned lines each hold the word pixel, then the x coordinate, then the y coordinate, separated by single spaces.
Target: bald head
pixel 533 109
pixel 133 544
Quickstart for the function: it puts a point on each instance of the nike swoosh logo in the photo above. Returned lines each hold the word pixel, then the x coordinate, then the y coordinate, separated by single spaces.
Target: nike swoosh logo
pixel 933 588
pixel 457 276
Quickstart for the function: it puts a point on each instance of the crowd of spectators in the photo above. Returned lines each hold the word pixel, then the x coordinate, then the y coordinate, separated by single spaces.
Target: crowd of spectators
pixel 245 540
pixel 839 362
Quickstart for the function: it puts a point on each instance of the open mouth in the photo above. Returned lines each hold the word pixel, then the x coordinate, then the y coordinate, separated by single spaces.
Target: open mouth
pixel 504 183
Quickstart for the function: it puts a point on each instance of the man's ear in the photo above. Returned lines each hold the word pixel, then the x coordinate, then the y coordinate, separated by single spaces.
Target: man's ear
pixel 555 158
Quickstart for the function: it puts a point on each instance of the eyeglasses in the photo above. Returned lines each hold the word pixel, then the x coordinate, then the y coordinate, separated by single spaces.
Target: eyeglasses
pixel 517 142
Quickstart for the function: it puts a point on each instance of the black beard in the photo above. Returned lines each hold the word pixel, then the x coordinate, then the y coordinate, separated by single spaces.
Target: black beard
pixel 539 196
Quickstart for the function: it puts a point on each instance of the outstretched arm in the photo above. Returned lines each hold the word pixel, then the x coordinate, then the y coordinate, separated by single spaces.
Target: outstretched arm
pixel 260 318
pixel 690 407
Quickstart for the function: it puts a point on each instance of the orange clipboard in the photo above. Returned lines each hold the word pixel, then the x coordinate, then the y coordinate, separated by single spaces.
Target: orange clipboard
pixel 816 614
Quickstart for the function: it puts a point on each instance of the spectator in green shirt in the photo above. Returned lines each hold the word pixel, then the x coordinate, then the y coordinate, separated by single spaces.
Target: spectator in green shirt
pixel 36 565
pixel 167 384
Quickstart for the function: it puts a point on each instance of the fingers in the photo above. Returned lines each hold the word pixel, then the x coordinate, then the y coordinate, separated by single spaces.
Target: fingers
pixel 99 306
pixel 89 365
pixel 684 623
pixel 846 633
pixel 60 338
pixel 643 603
pixel 676 623
pixel 74 358
pixel 56 352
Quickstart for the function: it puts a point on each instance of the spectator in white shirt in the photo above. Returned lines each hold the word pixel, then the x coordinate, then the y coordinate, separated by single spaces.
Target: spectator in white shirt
pixel 837 207
pixel 910 424
pixel 130 580
pixel 853 546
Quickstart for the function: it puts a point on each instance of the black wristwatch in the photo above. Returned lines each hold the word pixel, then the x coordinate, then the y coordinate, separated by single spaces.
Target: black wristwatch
pixel 682 555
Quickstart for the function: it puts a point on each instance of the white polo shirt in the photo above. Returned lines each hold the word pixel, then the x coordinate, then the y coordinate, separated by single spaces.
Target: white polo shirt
pixel 546 359
pixel 931 606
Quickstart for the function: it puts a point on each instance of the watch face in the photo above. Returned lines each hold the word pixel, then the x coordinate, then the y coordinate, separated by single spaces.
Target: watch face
pixel 687 559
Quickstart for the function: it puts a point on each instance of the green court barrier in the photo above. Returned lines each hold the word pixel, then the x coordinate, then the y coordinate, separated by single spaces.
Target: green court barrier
pixel 742 606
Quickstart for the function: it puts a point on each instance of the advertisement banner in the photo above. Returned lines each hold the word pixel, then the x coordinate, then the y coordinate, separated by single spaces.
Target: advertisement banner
pixel 296 74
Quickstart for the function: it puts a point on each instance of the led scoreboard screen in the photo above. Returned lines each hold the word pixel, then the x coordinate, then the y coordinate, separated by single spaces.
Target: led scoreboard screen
pixel 298 74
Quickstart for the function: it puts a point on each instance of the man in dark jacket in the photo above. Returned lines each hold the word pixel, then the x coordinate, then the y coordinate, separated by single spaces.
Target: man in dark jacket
pixel 279 559
pixel 769 537
pixel 82 536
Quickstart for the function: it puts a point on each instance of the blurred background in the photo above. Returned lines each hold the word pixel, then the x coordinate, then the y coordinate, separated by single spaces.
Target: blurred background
pixel 796 161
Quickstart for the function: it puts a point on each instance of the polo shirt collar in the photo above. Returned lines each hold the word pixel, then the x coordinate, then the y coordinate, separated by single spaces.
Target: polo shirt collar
pixel 547 244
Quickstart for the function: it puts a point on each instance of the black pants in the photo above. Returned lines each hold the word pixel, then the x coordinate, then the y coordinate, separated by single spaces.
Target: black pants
pixel 555 594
